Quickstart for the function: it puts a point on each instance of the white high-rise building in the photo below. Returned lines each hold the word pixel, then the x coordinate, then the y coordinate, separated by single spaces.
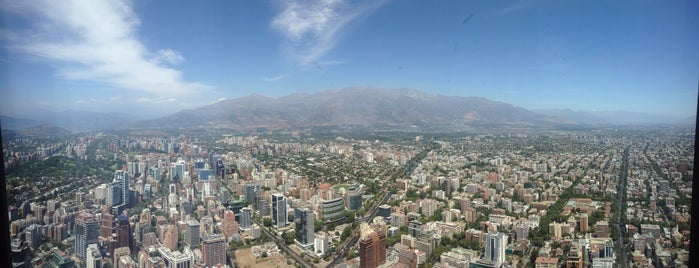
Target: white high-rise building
pixel 321 244
pixel 94 257
pixel 495 243
pixel 122 177
pixel 177 171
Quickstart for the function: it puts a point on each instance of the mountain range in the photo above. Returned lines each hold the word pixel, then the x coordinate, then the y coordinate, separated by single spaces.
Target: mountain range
pixel 361 107
pixel 349 107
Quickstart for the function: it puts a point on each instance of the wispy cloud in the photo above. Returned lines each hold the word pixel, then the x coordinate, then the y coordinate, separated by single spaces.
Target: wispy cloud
pixel 275 78
pixel 168 56
pixel 517 6
pixel 96 41
pixel 157 100
pixel 313 27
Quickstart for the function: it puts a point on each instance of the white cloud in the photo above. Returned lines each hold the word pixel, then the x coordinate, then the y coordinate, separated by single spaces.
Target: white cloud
pixel 313 27
pixel 96 41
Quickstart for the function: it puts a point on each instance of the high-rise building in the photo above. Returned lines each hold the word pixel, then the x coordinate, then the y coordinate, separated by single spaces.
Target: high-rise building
pixel 304 220
pixel 122 177
pixel 522 232
pixel 20 254
pixel 124 236
pixel 86 232
pixel 332 210
pixel 113 197
pixel 279 210
pixel 229 225
pixel 575 257
pixel 120 252
pixel 245 214
pixel 321 243
pixel 213 249
pixel 94 256
pixel 415 228
pixel 372 247
pixel 354 200
pixel 602 229
pixel 33 235
pixel 107 226
pixel 176 259
pixel 584 222
pixel 250 191
pixel 191 237
pixel 171 237
pixel 177 171
pixel 384 211
pixel 495 243
pixel 263 208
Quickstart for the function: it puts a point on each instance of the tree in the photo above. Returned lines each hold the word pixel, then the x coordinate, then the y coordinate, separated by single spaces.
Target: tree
pixel 349 217
pixel 345 233
pixel 267 222
pixel 317 225
pixel 289 237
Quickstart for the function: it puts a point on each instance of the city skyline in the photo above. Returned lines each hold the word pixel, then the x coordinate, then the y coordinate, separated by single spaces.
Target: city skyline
pixel 156 58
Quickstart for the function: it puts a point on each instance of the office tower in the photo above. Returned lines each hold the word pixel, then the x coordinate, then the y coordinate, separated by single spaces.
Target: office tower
pixel 608 249
pixel 279 210
pixel 94 256
pixel 113 197
pixel 384 211
pixel 213 249
pixel 304 219
pixel 263 206
pixel 245 214
pixel 250 191
pixel 20 254
pixel 372 247
pixel 86 232
pixel 124 238
pixel 191 237
pixel 32 235
pixel 332 210
pixel 495 243
pixel 354 200
pixel 154 173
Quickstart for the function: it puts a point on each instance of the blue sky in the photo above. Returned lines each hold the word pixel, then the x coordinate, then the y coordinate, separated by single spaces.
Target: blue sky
pixel 156 57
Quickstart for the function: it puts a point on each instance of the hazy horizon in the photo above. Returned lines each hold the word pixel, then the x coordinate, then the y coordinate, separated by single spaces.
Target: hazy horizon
pixel 156 58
